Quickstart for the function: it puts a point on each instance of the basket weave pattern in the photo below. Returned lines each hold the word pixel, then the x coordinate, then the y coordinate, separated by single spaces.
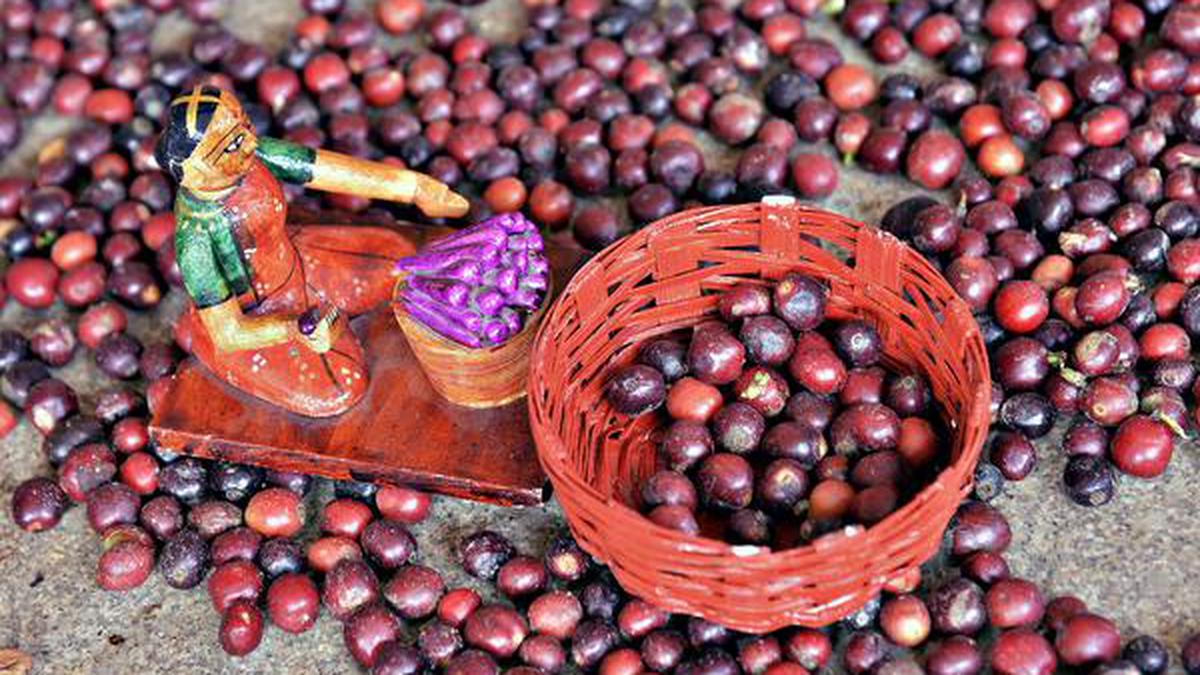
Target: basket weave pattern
pixel 666 277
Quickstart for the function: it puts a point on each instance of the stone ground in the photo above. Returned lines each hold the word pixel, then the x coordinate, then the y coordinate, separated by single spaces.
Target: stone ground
pixel 1136 560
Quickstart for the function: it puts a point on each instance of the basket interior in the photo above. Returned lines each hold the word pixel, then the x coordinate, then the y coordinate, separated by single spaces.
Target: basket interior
pixel 674 286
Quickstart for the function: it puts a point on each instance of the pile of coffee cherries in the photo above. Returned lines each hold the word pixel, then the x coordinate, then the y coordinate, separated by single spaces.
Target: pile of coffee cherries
pixel 758 400
pixel 237 530
pixel 29 383
pixel 1075 246
pixel 564 611
pixel 1080 259
pixel 1081 277
pixel 233 528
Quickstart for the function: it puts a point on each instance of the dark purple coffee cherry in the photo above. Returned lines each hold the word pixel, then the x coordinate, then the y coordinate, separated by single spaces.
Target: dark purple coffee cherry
pixel 184 560
pixel 738 428
pixel 768 340
pixel 957 607
pixel 483 553
pixel 726 481
pixel 636 389
pixel 118 354
pixel 782 485
pixel 715 356
pixel 800 301
pixel 38 504
pixel 1089 480
pixel 685 443
pixel 668 357
pixel 799 442
pixel 858 342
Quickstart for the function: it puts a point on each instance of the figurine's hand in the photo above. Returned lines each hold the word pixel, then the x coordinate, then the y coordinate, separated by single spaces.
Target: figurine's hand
pixel 323 333
pixel 437 200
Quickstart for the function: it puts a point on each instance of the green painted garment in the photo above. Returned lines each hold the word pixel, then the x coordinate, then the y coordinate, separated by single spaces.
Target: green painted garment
pixel 289 162
pixel 210 260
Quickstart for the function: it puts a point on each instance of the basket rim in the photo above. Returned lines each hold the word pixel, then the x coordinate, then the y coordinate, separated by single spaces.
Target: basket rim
pixel 978 406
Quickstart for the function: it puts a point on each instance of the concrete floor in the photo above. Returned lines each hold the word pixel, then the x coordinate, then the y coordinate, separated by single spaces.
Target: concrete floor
pixel 1135 560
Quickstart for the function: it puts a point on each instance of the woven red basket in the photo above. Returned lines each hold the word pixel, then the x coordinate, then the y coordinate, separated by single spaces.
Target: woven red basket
pixel 666 277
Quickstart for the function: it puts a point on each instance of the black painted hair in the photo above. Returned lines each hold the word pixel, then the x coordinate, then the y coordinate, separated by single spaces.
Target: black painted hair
pixel 187 120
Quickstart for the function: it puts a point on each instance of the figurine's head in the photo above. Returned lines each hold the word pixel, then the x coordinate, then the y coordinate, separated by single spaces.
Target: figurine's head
pixel 208 142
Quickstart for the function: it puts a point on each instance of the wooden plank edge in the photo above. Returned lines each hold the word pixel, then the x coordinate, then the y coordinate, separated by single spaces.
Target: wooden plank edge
pixel 341 468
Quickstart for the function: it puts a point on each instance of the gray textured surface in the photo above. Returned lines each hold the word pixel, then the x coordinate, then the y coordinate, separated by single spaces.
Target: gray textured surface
pixel 1135 560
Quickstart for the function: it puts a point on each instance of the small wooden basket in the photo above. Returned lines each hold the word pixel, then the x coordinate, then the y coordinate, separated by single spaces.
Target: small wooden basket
pixel 488 377
pixel 668 276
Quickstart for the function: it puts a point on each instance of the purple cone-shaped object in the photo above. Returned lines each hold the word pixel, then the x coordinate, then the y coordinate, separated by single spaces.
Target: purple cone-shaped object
pixel 477 285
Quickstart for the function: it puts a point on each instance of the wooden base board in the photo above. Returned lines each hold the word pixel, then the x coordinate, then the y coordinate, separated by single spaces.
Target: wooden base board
pixel 401 432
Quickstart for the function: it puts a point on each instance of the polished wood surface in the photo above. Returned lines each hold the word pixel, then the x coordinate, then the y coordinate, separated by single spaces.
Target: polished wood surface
pixel 402 431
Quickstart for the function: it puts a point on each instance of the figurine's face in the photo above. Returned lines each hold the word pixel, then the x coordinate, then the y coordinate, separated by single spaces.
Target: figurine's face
pixel 224 153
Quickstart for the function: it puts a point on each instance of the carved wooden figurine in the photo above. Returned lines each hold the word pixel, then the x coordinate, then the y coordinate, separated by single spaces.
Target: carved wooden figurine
pixel 272 299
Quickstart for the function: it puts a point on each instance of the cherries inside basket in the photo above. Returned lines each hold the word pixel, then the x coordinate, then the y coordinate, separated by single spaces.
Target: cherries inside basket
pixel 782 425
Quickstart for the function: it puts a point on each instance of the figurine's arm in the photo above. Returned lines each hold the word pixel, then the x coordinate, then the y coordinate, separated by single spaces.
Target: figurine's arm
pixel 233 331
pixel 335 172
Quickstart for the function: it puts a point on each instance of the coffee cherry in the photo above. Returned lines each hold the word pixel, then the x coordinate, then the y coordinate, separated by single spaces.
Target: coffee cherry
pixel 636 389
pixel 1022 651
pixel 1142 447
pixel 1087 638
pixel 293 602
pixel 905 620
pixel 38 504
pixel 241 628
